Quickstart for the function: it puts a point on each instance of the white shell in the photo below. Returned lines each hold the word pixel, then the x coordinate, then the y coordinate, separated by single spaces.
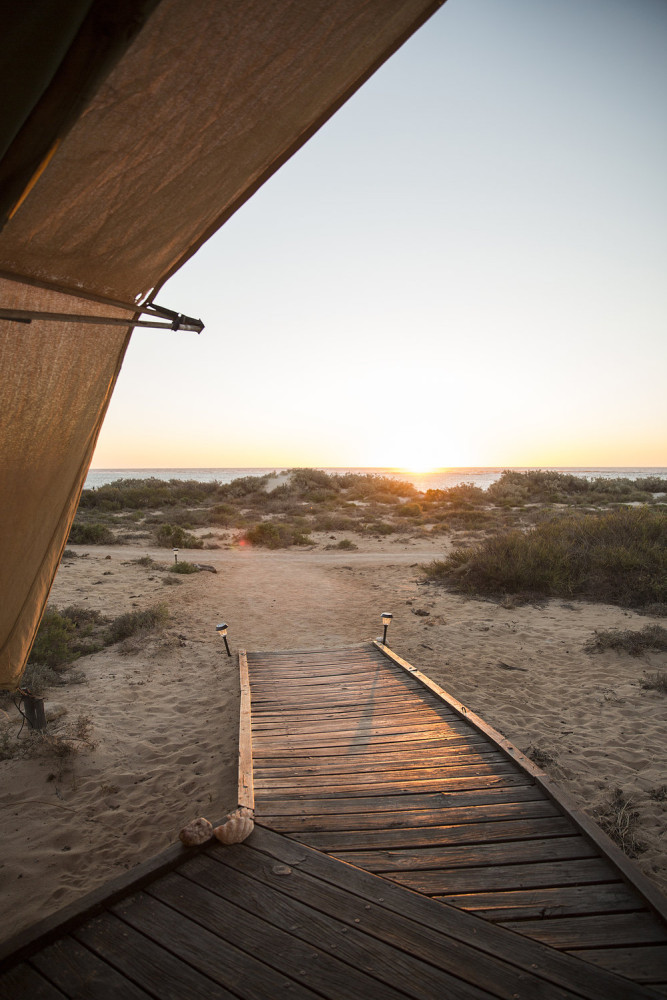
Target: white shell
pixel 197 832
pixel 236 828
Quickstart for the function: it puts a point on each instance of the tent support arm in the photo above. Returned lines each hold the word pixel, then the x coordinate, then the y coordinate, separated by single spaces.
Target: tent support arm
pixel 178 320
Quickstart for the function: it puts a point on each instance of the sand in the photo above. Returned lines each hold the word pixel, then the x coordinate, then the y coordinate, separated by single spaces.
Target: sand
pixel 164 707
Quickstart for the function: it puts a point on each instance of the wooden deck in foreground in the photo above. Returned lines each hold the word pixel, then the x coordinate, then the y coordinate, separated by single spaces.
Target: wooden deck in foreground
pixel 357 754
pixel 348 753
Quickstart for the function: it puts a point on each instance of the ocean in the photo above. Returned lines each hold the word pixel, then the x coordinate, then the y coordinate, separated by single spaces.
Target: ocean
pixel 438 479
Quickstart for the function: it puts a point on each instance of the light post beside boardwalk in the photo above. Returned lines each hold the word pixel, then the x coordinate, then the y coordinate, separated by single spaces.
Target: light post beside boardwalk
pixel 222 631
pixel 386 622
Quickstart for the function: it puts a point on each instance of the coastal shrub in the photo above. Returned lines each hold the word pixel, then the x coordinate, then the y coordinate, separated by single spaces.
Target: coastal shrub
pixel 91 534
pixel 53 643
pixel 276 536
pixel 409 510
pixel 335 522
pixel 62 637
pixel 344 544
pixel 537 486
pixel 222 514
pixel 132 622
pixel 619 557
pixel 184 568
pixel 141 494
pixel 170 536
pixel 652 637
pixel 466 493
pixel 656 681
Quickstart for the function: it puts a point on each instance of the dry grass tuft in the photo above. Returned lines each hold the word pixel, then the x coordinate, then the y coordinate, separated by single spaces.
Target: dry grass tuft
pixel 619 820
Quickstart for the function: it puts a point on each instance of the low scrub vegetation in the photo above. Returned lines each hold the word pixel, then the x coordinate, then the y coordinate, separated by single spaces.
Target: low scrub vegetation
pixel 170 536
pixel 184 568
pixel 656 681
pixel 653 637
pixel 65 635
pixel 91 534
pixel 619 819
pixel 276 535
pixel 619 557
pixel 331 502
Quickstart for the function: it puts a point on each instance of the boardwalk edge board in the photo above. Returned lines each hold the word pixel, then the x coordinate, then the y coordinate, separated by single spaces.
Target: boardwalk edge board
pixel 630 872
pixel 61 921
pixel 246 792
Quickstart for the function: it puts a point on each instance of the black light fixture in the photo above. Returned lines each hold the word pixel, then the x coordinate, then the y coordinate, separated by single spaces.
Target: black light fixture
pixel 222 631
pixel 175 555
pixel 386 621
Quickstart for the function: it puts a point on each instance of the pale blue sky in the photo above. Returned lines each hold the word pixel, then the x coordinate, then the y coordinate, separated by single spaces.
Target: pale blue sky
pixel 466 266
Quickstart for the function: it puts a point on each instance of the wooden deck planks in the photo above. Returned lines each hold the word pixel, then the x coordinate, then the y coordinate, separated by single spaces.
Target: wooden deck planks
pixel 275 916
pixel 271 918
pixel 373 766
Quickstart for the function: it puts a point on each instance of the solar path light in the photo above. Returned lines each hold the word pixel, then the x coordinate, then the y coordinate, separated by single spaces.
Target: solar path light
pixel 175 555
pixel 386 622
pixel 222 631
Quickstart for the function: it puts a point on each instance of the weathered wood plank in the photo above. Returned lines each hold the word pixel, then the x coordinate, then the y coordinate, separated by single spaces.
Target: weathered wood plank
pixel 474 818
pixel 452 751
pixel 601 931
pixel 25 982
pixel 210 895
pixel 343 727
pixel 422 836
pixel 402 803
pixel 300 778
pixel 380 787
pixel 656 900
pixel 472 855
pixel 78 972
pixel 553 966
pixel 368 763
pixel 342 747
pixel 214 955
pixel 563 901
pixel 643 964
pixel 275 736
pixel 507 877
pixel 369 933
pixel 145 962
pixel 246 793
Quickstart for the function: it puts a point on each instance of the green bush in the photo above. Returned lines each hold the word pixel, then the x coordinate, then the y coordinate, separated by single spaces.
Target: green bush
pixel 409 510
pixel 222 514
pixel 276 536
pixel 344 544
pixel 91 534
pixel 53 645
pixel 619 557
pixel 170 536
pixel 138 621
pixel 184 568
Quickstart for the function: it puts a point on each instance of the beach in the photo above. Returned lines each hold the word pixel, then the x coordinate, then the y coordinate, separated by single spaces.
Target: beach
pixel 162 707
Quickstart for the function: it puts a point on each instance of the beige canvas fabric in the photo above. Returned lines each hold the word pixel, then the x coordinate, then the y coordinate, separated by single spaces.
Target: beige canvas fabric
pixel 55 384
pixel 210 98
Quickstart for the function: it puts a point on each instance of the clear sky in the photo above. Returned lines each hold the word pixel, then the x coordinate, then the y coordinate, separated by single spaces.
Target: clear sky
pixel 466 266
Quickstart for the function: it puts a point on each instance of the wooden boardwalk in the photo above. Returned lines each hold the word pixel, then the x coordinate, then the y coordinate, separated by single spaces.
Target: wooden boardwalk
pixel 354 757
pixel 355 753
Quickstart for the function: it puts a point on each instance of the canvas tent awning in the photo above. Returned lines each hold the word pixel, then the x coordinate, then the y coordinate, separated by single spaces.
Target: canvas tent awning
pixel 134 131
